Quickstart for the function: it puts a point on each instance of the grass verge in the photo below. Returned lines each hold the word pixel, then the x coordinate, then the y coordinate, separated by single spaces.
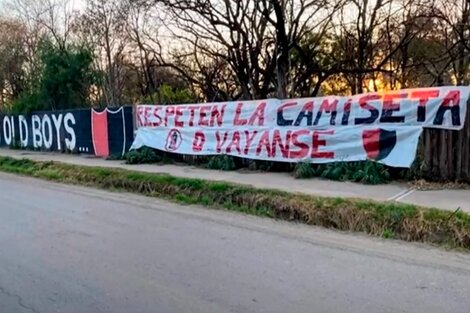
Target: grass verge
pixel 386 219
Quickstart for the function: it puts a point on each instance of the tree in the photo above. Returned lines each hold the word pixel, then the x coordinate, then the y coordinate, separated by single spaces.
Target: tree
pixel 29 23
pixel 210 77
pixel 301 28
pixel 312 64
pixel 13 58
pixel 45 18
pixel 65 80
pixel 452 21
pixel 102 27
pixel 232 31
pixel 368 37
pixel 153 74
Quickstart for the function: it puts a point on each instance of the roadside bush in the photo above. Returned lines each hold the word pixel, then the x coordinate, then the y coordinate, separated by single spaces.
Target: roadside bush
pixel 416 171
pixel 142 156
pixel 372 173
pixel 368 172
pixel 304 170
pixel 221 162
pixel 16 145
pixel 116 157
pixel 264 166
pixel 363 172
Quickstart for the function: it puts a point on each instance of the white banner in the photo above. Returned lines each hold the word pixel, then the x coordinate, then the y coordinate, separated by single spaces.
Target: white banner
pixel 382 127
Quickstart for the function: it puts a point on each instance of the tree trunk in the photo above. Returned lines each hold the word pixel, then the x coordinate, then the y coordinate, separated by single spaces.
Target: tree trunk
pixel 282 73
pixel 282 50
pixel 428 150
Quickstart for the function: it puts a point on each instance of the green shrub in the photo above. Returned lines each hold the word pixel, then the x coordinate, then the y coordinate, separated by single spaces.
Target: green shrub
pixel 116 157
pixel 16 145
pixel 368 172
pixel 417 170
pixel 303 170
pixel 64 77
pixel 221 162
pixel 334 171
pixel 372 173
pixel 142 156
pixel 258 165
pixel 388 234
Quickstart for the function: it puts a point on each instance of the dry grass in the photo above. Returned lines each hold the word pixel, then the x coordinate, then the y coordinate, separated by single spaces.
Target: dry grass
pixel 428 185
pixel 387 219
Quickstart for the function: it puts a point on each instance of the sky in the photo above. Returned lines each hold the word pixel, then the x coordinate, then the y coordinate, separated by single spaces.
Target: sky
pixel 73 4
pixel 77 4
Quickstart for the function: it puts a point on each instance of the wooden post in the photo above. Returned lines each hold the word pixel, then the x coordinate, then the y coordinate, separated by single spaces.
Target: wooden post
pixel 466 146
pixel 443 174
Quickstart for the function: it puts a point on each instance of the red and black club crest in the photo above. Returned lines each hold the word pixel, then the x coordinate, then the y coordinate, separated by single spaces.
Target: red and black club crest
pixel 379 143
pixel 173 140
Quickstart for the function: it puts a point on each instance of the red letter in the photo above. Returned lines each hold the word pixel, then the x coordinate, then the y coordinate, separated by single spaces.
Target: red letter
pixel 390 106
pixel 317 143
pixel 424 96
pixel 159 122
pixel 169 111
pixel 281 121
pixel 235 142
pixel 198 142
pixel 374 113
pixel 249 140
pixel 140 118
pixel 264 142
pixel 192 113
pixel 237 121
pixel 307 112
pixel 146 115
pixel 327 107
pixel 303 152
pixel 220 142
pixel 219 115
pixel 258 114
pixel 178 114
pixel 202 115
pixel 451 102
pixel 347 112
pixel 277 140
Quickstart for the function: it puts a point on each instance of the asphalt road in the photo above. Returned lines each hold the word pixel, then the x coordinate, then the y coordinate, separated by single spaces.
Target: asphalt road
pixel 71 249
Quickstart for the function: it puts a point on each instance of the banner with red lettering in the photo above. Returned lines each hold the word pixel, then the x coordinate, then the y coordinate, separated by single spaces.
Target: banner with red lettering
pixel 379 126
